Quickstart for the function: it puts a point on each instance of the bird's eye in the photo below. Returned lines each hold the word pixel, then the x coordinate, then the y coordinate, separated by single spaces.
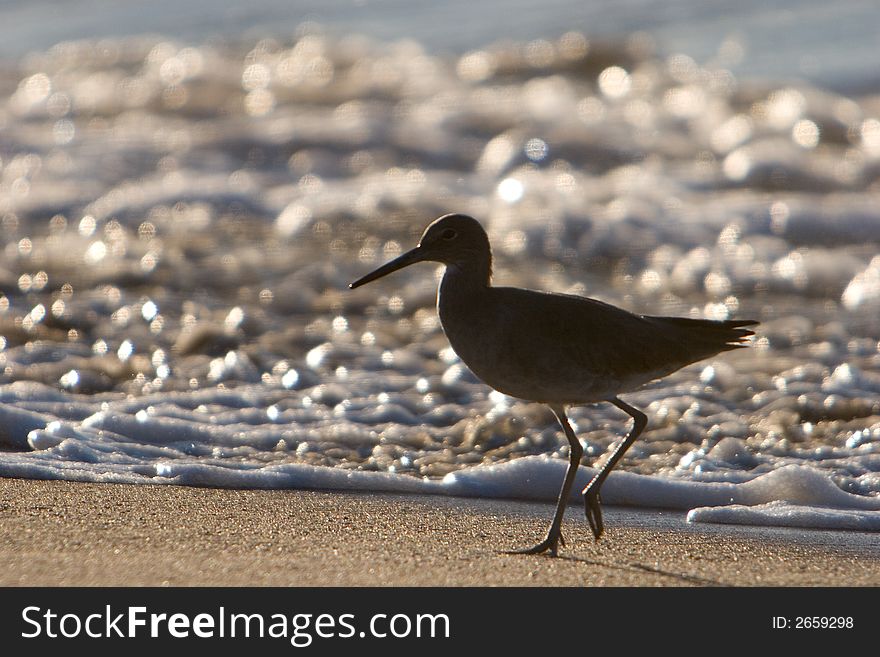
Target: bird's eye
pixel 449 234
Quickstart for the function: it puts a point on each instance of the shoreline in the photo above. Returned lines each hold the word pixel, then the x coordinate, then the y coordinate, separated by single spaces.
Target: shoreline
pixel 60 533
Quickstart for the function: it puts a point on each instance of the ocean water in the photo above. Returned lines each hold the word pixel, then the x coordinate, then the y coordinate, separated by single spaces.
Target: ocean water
pixel 180 215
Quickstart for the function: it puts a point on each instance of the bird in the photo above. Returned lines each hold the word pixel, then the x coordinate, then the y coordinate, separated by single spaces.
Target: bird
pixel 561 350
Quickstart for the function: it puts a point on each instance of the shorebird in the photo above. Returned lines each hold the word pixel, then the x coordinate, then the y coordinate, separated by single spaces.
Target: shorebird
pixel 557 349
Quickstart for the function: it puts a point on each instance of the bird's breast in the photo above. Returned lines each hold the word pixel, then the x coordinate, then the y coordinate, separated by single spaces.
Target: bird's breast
pixel 469 325
pixel 490 337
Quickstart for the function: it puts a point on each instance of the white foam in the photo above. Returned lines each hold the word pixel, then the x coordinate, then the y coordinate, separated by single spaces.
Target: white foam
pixel 140 447
pixel 782 514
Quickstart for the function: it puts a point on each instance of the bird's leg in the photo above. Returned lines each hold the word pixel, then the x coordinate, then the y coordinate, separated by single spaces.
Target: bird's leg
pixel 554 533
pixel 592 508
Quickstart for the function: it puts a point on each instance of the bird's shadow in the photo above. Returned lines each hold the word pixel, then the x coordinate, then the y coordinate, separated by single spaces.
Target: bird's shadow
pixel 682 577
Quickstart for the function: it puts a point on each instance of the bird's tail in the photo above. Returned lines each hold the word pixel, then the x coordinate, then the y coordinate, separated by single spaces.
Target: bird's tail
pixel 717 335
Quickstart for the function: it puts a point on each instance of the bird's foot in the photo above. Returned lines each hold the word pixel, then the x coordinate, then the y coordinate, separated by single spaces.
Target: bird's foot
pixel 549 544
pixel 593 511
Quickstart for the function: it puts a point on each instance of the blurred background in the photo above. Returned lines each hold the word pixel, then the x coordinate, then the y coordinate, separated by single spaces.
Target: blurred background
pixel 829 43
pixel 186 188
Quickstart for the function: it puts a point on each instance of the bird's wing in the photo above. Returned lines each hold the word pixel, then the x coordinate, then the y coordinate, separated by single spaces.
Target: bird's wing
pixel 564 336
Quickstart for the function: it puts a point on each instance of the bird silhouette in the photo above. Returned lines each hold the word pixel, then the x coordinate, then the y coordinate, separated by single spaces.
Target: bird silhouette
pixel 558 349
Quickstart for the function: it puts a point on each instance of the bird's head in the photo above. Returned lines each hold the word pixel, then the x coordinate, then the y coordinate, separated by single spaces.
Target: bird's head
pixel 456 240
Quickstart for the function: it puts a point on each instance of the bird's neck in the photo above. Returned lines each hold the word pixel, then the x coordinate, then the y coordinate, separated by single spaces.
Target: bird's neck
pixel 460 291
pixel 463 296
pixel 467 278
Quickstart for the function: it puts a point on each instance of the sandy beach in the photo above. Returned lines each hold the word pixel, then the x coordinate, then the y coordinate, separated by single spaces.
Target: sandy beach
pixel 63 533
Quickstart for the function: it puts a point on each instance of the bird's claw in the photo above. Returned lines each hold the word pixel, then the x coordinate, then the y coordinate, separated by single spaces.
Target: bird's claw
pixel 549 544
pixel 593 511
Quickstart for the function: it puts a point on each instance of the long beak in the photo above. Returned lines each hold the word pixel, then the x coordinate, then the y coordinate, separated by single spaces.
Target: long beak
pixel 408 258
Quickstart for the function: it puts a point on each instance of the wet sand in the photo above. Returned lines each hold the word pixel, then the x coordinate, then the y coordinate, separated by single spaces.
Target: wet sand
pixel 63 533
